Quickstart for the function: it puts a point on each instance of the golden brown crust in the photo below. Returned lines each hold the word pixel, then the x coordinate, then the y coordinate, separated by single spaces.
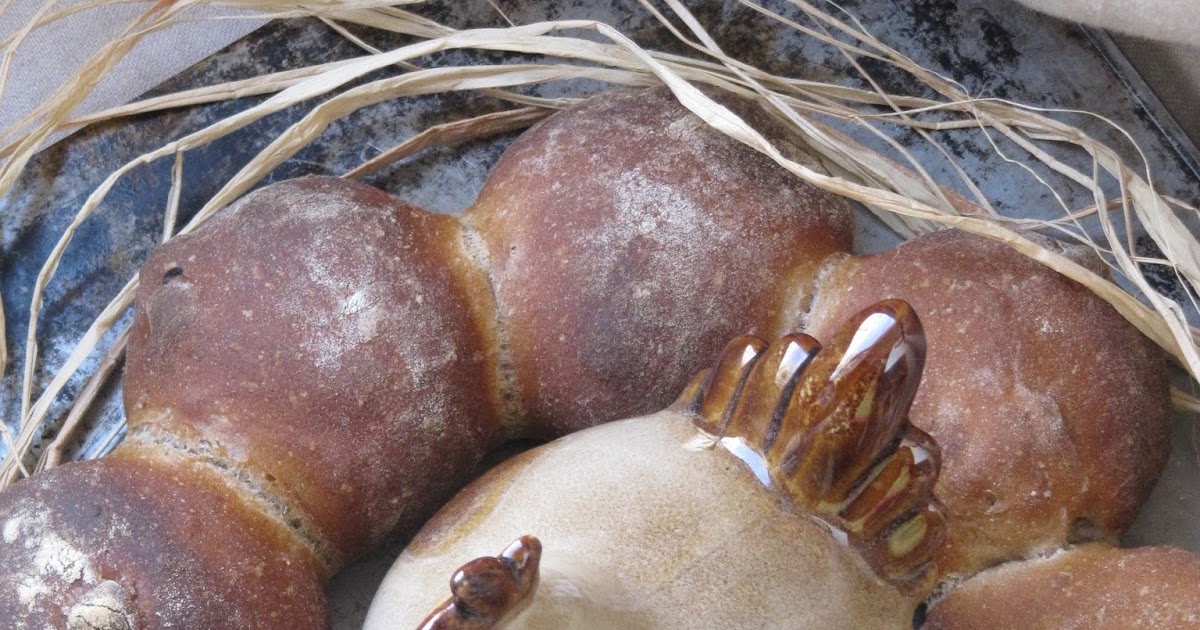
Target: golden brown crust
pixel 1093 587
pixel 828 427
pixel 1050 409
pixel 628 240
pixel 322 333
pixel 129 541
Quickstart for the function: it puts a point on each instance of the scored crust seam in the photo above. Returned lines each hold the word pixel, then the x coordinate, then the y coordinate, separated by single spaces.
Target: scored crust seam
pixel 510 408
pixel 251 485
pixel 806 296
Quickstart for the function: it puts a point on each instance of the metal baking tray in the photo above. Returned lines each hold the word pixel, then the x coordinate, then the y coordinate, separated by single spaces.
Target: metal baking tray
pixel 993 49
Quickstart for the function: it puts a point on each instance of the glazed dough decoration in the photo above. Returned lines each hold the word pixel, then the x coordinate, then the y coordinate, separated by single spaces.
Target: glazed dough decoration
pixel 486 589
pixel 829 430
pixel 822 432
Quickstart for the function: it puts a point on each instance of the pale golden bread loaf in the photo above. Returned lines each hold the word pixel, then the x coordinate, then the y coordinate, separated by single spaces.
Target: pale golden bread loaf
pixel 784 489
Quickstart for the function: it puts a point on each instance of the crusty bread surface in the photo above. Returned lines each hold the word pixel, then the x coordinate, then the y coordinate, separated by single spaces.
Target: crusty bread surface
pixel 133 541
pixel 1051 410
pixel 321 333
pixel 1092 587
pixel 629 242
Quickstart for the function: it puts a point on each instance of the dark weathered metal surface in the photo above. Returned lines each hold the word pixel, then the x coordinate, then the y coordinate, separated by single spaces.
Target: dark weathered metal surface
pixel 994 48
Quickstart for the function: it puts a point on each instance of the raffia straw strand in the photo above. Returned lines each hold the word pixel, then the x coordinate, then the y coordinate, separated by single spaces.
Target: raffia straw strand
pixel 172 213
pixel 421 82
pixel 310 88
pixel 13 459
pixel 451 133
pixel 723 120
pixel 13 449
pixel 53 453
pixel 503 95
pixel 905 118
pixel 1184 401
pixel 503 15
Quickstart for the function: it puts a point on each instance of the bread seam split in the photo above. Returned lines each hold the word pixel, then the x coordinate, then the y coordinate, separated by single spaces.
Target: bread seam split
pixel 248 483
pixel 510 409
pixel 802 297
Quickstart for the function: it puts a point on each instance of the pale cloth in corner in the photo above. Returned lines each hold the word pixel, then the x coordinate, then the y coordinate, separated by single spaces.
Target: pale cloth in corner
pixel 1166 20
pixel 52 55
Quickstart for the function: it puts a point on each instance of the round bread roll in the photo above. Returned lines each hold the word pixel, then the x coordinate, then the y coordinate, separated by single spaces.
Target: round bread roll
pixel 1050 408
pixel 323 341
pixel 1092 587
pixel 628 241
pixel 141 540
pixel 785 489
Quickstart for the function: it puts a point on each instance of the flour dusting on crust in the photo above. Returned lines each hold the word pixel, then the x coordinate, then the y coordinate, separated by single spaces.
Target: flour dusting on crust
pixel 54 563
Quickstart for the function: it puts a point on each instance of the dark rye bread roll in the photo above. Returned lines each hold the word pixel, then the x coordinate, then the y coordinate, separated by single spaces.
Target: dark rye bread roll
pixel 333 362
pixel 1092 587
pixel 147 538
pixel 326 341
pixel 629 241
pixel 1052 411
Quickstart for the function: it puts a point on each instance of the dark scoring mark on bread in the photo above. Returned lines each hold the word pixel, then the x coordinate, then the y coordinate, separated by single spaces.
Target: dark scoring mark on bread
pixel 174 271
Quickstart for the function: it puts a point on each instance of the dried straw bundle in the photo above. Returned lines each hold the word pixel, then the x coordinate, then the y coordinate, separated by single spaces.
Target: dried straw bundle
pixel 905 196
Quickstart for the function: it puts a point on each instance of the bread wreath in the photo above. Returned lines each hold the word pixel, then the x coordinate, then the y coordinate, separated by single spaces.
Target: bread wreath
pixel 322 366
